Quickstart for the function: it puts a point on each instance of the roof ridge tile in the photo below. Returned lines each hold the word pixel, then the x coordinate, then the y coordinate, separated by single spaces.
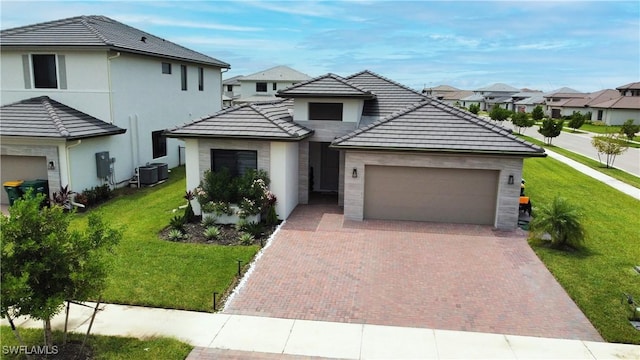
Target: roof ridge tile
pixel 57 122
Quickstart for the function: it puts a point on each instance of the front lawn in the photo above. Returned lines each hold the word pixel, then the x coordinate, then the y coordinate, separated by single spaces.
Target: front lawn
pixel 153 272
pixel 596 165
pixel 101 347
pixel 595 278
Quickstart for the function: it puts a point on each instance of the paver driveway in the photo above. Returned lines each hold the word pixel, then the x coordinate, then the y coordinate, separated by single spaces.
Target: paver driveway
pixel 443 276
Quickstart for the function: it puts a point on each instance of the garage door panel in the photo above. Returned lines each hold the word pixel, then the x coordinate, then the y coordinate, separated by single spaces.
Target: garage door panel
pixel 430 194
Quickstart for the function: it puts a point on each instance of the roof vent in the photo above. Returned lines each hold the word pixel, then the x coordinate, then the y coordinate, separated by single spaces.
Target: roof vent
pixel 143 39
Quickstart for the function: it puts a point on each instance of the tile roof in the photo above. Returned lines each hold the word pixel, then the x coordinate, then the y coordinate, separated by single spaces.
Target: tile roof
pixel 562 90
pixel 629 86
pixel 499 87
pixel 592 98
pixel 440 88
pixel 622 102
pixel 532 100
pixel 390 95
pixel 232 80
pixel 100 31
pixel 277 73
pixel 437 127
pixel 329 85
pixel 45 117
pixel 267 121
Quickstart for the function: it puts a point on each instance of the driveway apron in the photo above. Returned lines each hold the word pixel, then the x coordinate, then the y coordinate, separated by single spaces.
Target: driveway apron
pixel 412 274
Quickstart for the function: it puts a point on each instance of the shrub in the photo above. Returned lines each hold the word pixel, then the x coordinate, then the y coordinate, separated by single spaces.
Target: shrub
pixel 499 114
pixel 474 109
pixel 208 221
pixel 537 114
pixel 629 129
pixel 254 228
pixel 212 232
pixel 177 223
pixel 175 235
pixel 189 216
pixel 561 220
pixel 576 120
pixel 246 239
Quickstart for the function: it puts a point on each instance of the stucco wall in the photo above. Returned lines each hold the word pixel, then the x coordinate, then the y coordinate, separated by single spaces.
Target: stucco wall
pixel 619 116
pixel 284 176
pixel 508 195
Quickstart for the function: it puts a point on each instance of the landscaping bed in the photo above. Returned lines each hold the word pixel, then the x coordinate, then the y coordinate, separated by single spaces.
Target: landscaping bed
pixel 229 235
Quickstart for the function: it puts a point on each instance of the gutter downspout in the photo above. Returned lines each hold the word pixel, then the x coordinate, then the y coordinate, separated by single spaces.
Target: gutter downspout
pixel 67 148
pixel 110 90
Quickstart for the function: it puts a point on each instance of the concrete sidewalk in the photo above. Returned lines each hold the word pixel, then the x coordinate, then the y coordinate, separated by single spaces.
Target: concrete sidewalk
pixel 614 183
pixel 253 336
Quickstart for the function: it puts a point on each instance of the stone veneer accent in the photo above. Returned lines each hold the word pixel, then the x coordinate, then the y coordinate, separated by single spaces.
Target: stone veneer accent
pixel 303 172
pixel 508 195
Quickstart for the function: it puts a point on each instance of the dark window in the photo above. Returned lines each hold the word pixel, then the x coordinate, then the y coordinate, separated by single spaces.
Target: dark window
pixel 159 144
pixel 325 111
pixel 200 79
pixel 237 161
pixel 275 86
pixel 229 87
pixel 44 71
pixel 261 87
pixel 183 76
pixel 166 68
pixel 599 115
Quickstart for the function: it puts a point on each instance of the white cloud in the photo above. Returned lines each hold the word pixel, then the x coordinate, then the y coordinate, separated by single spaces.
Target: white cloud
pixel 209 25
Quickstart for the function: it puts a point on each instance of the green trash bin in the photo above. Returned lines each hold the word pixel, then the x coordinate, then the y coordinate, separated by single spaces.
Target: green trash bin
pixel 13 190
pixel 39 186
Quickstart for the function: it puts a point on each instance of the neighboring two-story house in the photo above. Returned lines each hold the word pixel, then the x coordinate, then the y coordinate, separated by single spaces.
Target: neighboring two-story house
pixel 383 150
pixel 263 85
pixel 85 100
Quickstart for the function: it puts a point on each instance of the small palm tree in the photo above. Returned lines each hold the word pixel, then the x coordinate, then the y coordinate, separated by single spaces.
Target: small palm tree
pixel 561 220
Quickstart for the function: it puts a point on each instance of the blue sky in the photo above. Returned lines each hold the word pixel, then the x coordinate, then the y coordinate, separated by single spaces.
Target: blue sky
pixel 467 44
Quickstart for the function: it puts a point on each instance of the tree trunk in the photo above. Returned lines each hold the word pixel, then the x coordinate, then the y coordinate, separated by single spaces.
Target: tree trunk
pixel 48 334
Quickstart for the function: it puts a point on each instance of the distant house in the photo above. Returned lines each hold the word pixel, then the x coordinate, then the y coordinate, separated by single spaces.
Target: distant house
pixel 487 97
pixel 554 100
pixel 583 104
pixel 230 90
pixel 447 94
pixel 621 108
pixel 263 85
pixel 372 145
pixel 526 100
pixel 85 100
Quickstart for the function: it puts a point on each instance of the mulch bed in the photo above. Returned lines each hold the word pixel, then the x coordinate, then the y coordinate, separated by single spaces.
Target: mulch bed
pixel 229 235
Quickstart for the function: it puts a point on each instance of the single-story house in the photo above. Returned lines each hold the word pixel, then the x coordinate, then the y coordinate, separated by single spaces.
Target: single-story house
pixel 385 151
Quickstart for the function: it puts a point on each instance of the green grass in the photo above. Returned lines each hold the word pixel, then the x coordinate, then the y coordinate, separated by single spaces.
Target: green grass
pixel 614 173
pixel 153 272
pixel 604 129
pixel 596 277
pixel 103 347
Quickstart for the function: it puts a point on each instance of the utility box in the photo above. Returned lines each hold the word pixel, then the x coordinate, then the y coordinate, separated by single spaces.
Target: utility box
pixel 148 174
pixel 103 164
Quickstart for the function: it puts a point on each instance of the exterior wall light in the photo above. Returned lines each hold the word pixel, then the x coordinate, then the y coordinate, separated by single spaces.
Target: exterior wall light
pixel 510 180
pixel 354 173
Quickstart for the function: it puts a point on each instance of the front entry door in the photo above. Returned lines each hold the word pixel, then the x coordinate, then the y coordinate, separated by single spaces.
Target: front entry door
pixel 329 168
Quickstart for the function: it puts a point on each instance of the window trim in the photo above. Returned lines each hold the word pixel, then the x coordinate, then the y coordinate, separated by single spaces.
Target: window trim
pixel 158 144
pixel 313 112
pixel 33 70
pixel 259 86
pixel 236 171
pixel 183 78
pixel 201 79
pixel 275 86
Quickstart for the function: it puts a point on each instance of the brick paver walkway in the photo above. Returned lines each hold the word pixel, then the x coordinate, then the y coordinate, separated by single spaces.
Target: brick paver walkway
pixel 442 276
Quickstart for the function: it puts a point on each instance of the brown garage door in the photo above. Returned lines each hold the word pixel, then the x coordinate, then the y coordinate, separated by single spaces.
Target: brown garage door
pixel 21 168
pixel 430 194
